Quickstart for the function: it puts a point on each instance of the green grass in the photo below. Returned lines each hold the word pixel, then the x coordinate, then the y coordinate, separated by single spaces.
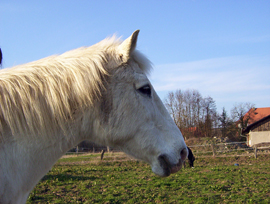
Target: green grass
pixel 78 158
pixel 213 180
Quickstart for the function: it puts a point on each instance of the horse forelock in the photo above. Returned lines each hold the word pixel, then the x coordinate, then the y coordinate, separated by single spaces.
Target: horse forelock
pixel 40 96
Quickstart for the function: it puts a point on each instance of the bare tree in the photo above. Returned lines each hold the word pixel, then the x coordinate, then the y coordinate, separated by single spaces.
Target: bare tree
pixel 239 111
pixel 241 114
pixel 209 110
pixel 170 104
pixel 191 112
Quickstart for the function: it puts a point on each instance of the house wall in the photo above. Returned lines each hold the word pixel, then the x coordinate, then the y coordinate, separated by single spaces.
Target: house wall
pixel 258 137
pixel 262 126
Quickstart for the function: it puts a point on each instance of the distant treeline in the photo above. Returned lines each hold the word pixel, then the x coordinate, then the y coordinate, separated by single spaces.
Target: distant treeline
pixel 196 116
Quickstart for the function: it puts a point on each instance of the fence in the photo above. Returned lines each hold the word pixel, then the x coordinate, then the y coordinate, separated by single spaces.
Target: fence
pixel 206 150
pixel 95 149
pixel 229 149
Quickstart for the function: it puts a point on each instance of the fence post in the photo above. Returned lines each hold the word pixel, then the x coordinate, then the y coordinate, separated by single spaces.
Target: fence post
pixel 94 150
pixel 77 150
pixel 102 154
pixel 108 149
pixel 255 152
pixel 213 149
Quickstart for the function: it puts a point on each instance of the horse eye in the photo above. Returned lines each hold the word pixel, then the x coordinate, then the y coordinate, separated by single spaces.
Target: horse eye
pixel 146 90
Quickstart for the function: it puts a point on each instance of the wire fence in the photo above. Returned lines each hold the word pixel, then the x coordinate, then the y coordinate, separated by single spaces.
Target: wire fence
pixel 94 149
pixel 205 150
pixel 229 149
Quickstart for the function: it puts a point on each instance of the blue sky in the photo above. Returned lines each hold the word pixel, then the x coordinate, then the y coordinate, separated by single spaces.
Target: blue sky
pixel 220 48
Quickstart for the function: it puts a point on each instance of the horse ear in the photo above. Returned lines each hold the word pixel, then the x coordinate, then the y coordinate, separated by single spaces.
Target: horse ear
pixel 129 45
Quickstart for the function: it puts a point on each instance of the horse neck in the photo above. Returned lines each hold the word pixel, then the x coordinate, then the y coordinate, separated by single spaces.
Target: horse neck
pixel 32 157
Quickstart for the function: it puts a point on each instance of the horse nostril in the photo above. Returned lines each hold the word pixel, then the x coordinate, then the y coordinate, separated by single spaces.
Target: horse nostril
pixel 184 154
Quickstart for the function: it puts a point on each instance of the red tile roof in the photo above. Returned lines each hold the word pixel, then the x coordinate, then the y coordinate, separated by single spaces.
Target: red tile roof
pixel 256 114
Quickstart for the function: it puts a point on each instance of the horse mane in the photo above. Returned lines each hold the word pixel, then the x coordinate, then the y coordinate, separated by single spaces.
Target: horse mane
pixel 38 97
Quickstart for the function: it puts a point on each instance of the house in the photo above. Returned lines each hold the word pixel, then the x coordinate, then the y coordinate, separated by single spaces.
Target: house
pixel 258 126
pixel 256 114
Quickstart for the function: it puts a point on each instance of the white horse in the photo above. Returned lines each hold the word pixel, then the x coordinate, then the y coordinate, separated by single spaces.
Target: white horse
pixel 99 93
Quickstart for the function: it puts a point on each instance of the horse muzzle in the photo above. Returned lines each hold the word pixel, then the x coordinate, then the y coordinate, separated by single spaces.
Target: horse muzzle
pixel 170 168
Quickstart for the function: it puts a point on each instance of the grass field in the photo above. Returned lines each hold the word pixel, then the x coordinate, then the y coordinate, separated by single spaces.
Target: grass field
pixel 118 179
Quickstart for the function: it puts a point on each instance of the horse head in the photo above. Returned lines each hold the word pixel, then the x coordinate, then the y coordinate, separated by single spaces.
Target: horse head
pixel 134 118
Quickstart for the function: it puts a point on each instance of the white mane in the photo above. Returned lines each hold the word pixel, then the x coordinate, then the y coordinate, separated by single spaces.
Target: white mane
pixel 39 96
